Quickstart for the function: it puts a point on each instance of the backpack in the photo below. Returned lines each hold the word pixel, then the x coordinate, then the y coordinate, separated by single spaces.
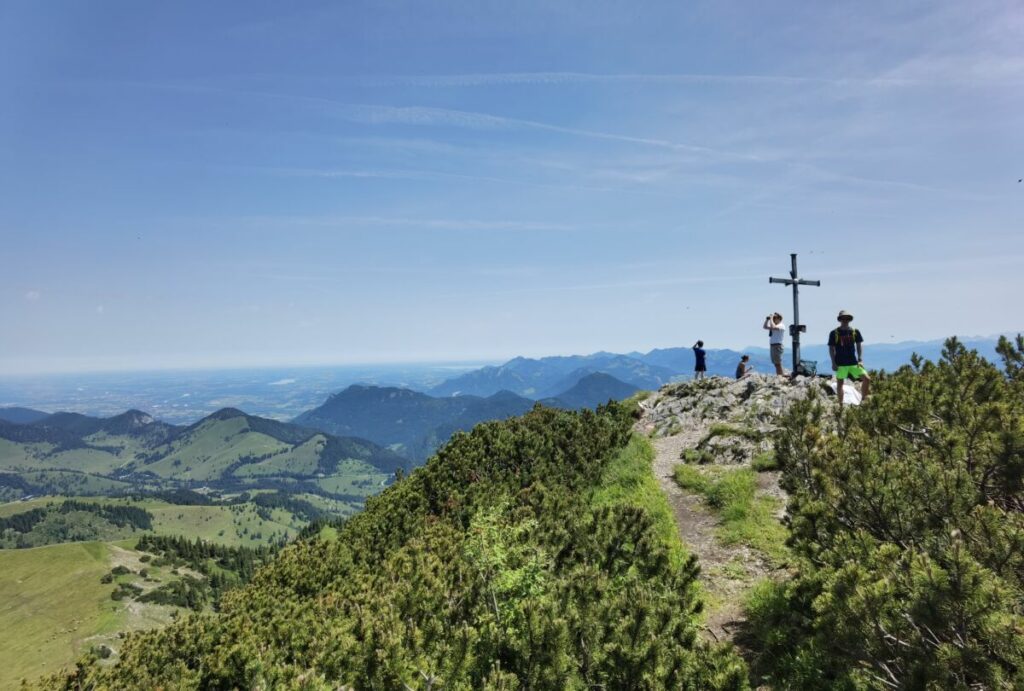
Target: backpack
pixel 835 337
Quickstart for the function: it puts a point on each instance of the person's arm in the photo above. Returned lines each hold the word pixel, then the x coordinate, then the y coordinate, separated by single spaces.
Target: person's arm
pixel 768 322
pixel 860 352
pixel 832 349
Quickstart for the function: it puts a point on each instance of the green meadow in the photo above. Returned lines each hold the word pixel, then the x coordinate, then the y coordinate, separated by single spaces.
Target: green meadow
pixel 53 607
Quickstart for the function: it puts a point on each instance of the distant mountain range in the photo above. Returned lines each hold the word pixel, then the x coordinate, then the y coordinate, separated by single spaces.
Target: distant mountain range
pixel 21 416
pixel 548 377
pixel 412 423
pixel 544 378
pixel 591 391
pixel 69 453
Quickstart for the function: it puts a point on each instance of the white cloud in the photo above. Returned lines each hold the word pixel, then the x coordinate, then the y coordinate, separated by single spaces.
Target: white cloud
pixel 33 295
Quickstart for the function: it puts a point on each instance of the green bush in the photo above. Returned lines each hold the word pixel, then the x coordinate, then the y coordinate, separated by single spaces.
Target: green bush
pixel 908 522
pixel 698 456
pixel 764 461
pixel 721 429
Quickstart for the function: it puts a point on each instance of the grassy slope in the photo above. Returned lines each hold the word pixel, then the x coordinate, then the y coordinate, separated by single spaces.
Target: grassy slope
pixel 53 606
pixel 74 483
pixel 208 452
pixel 15 455
pixel 51 599
pixel 354 477
pixel 213 523
pixel 629 480
pixel 303 459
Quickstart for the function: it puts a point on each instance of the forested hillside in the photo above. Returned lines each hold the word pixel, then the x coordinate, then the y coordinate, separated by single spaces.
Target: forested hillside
pixel 228 451
pixel 527 553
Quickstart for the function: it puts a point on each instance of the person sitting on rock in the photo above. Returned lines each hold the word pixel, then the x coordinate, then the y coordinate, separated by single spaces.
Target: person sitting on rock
pixel 700 367
pixel 743 368
pixel 846 347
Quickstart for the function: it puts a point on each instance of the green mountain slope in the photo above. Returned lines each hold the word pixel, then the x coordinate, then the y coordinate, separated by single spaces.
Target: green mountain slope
pixel 412 423
pixel 591 391
pixel 229 450
pixel 21 416
pixel 520 556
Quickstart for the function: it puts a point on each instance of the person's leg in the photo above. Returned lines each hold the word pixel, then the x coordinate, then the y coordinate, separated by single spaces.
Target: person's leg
pixel 865 386
pixel 777 359
pixel 839 390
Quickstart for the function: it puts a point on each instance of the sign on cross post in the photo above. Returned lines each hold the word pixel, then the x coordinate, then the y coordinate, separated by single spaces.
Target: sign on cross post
pixel 796 328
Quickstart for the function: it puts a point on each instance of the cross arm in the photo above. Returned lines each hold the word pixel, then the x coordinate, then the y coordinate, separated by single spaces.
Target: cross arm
pixel 790 281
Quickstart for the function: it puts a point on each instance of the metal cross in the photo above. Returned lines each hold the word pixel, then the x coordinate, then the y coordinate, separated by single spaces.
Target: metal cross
pixel 796 328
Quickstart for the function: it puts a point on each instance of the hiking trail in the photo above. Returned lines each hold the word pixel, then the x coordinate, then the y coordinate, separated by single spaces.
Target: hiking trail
pixel 724 422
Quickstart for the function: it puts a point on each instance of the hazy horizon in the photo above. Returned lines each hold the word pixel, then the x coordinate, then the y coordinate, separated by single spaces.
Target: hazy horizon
pixel 455 363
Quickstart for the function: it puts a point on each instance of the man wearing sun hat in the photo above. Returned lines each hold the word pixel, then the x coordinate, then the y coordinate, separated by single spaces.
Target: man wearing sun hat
pixel 846 346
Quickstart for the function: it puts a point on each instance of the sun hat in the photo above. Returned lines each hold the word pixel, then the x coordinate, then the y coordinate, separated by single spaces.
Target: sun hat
pixel 844 313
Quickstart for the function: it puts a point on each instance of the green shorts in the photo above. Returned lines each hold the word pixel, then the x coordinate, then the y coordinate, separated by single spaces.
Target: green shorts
pixel 854 372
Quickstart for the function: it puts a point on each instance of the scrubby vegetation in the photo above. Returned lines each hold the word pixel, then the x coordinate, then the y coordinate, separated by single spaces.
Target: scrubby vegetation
pixel 906 516
pixel 527 553
pixel 70 521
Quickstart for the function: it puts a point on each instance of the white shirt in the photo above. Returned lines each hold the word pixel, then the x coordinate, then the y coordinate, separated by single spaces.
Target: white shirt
pixel 777 333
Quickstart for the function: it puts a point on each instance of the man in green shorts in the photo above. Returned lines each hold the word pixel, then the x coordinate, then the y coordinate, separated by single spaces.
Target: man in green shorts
pixel 846 346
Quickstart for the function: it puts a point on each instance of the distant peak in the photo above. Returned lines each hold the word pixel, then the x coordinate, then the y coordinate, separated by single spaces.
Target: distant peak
pixel 504 394
pixel 226 414
pixel 136 417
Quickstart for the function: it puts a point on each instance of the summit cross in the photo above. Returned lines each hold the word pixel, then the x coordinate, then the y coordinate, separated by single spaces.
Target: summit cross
pixel 796 328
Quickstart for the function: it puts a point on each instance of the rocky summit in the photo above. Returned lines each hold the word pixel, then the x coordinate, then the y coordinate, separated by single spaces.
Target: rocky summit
pixel 753 402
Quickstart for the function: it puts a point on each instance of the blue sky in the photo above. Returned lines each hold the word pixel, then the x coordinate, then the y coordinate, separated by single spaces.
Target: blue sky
pixel 215 184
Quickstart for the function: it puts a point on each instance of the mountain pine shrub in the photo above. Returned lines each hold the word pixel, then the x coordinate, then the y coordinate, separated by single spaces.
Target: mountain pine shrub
pixel 906 516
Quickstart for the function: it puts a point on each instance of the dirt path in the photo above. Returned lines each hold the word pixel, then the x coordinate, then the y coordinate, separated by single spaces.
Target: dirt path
pixel 677 420
pixel 727 571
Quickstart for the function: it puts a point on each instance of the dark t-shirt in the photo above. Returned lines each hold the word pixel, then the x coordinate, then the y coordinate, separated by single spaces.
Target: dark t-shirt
pixel 741 369
pixel 845 342
pixel 701 363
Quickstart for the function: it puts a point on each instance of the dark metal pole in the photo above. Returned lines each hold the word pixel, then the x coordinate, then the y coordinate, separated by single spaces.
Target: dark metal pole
pixel 796 316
